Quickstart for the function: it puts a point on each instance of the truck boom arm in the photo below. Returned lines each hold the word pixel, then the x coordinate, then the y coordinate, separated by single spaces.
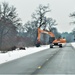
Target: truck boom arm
pixel 43 31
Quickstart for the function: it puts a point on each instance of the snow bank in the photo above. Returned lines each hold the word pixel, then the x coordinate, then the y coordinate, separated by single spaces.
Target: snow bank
pixel 11 55
pixel 73 44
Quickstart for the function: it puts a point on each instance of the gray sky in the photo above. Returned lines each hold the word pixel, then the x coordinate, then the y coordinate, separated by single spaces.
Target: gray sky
pixel 60 10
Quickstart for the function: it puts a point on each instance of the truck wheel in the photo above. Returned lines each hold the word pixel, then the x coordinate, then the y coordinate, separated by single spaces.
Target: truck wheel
pixel 60 45
pixel 51 46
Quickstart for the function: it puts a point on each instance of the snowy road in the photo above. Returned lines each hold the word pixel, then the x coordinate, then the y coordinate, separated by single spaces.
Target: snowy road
pixel 49 61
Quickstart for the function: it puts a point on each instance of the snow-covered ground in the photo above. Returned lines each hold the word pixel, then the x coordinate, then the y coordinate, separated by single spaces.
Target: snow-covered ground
pixel 73 44
pixel 11 55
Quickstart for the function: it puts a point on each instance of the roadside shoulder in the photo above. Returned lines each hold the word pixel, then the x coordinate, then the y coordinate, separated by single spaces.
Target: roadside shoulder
pixel 73 45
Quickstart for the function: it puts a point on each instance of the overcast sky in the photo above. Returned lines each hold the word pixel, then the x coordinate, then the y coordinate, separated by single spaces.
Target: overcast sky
pixel 60 10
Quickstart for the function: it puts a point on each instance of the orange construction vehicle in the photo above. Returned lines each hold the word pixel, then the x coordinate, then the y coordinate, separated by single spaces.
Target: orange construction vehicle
pixel 55 42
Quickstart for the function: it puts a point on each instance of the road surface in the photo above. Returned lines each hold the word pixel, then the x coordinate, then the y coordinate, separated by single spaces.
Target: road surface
pixel 48 62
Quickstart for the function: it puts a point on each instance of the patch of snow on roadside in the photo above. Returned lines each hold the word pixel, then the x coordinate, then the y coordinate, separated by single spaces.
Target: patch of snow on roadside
pixel 11 55
pixel 73 44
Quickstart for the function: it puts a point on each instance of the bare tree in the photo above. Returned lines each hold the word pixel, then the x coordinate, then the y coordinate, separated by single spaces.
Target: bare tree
pixel 9 23
pixel 40 20
pixel 73 16
pixel 39 15
pixel 73 22
pixel 51 23
pixel 31 30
